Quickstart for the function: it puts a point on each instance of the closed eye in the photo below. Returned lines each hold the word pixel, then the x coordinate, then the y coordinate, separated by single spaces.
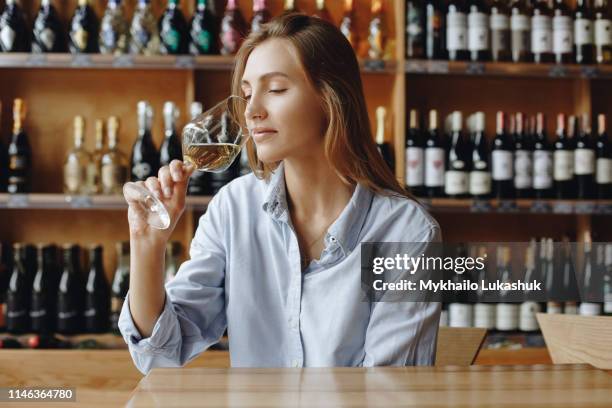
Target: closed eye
pixel 277 91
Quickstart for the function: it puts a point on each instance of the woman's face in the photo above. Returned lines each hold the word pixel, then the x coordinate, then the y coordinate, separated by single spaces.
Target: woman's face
pixel 284 113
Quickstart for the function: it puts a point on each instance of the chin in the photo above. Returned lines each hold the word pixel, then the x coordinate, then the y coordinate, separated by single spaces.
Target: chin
pixel 269 155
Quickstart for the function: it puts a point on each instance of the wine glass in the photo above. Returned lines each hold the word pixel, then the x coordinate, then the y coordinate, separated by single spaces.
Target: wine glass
pixel 211 142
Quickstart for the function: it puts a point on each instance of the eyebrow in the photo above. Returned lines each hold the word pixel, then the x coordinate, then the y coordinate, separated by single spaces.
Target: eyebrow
pixel 267 76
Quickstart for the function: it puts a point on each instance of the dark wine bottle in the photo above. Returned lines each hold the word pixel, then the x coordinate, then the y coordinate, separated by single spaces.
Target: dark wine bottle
pixel 542 161
pixel 415 155
pixel 592 278
pixel 233 28
pixel 500 31
pixel 456 31
pixel 584 47
pixel 507 316
pixel 480 174
pixel 603 32
pixel 4 165
pixel 554 282
pixel 478 30
pixel 603 172
pixel 541 33
pixel 415 29
pixel 520 27
pixel 18 295
pixel 171 148
pixel 70 292
pixel 97 294
pixel 84 28
pixel 435 158
pixel 384 147
pixel 4 279
pixel 457 160
pixel 461 309
pixel 145 157
pixel 261 15
pixel 584 161
pixel 48 35
pixel 14 35
pixel 43 301
pixel 529 307
pixel 173 30
pixel 563 173
pixel 563 33
pixel 434 29
pixel 502 161
pixel 19 153
pixel 568 273
pixel 121 283
pixel 523 160
pixel 204 30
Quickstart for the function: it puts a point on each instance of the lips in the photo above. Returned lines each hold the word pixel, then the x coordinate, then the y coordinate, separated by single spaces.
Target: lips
pixel 261 133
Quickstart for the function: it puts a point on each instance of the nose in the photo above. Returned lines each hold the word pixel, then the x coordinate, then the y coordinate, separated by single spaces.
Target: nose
pixel 255 109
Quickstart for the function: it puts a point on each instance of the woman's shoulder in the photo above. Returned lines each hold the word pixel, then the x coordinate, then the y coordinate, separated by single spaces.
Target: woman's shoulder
pixel 241 190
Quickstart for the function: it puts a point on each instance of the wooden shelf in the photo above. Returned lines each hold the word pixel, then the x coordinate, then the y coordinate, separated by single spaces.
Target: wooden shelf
pixel 508 69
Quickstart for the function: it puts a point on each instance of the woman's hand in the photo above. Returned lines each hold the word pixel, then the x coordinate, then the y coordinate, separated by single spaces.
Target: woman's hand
pixel 170 187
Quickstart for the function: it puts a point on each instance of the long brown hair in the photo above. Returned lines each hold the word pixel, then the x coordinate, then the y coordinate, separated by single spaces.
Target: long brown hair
pixel 330 64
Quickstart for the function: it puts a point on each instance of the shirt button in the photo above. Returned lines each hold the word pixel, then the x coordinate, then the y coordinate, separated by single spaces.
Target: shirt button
pixel 296 363
pixel 333 239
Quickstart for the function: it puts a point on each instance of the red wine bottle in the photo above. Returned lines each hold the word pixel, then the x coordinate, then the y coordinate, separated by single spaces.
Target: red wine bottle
pixel 456 31
pixel 563 33
pixel 502 160
pixel 97 294
pixel 478 30
pixel 500 31
pixel 563 173
pixel 584 161
pixel 233 28
pixel 523 160
pixel 542 161
pixel 42 310
pixel 435 158
pixel 70 292
pixel 457 160
pixel 584 47
pixel 520 27
pixel 541 33
pixel 18 295
pixel 603 161
pixel 603 32
pixel 480 174
pixel 415 155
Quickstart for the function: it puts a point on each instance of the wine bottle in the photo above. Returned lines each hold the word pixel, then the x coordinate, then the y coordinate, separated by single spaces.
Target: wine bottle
pixel 114 30
pixel 507 316
pixel 70 292
pixel 570 283
pixel 204 31
pixel 607 280
pixel 42 309
pixel 322 12
pixel 415 156
pixel 377 31
pixel 233 28
pixel 97 294
pixel 173 251
pixel 563 33
pixel 4 165
pixel 199 180
pixel 144 162
pixel 144 33
pixel 84 26
pixel 384 148
pixel 461 310
pixel 480 174
pixel 603 32
pixel 173 30
pixel 584 161
pixel 18 295
pixel 563 159
pixel 261 15
pixel 457 160
pixel 523 160
pixel 4 278
pixel 500 31
pixel 520 27
pixel 121 283
pixel 434 30
pixel 348 24
pixel 77 162
pixel 94 170
pixel 171 148
pixel 541 33
pixel 529 307
pixel 14 36
pixel 484 310
pixel 542 161
pixel 478 30
pixel 584 47
pixel 19 153
pixel 114 163
pixel 502 161
pixel 591 280
pixel 48 34
pixel 435 158
pixel 456 31
pixel 415 29
pixel 603 173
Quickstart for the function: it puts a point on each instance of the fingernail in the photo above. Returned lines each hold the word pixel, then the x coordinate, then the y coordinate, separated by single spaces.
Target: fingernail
pixel 167 191
pixel 176 177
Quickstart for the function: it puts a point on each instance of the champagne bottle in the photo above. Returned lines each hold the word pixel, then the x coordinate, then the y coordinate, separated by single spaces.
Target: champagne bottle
pixel 114 163
pixel 603 32
pixel 502 158
pixel 19 153
pixel 500 31
pixel 121 283
pixel 542 161
pixel 348 25
pixel 377 31
pixel 174 32
pixel 114 30
pixel 84 27
pixel 42 310
pixel 563 33
pixel 480 174
pixel 144 33
pixel 199 180
pixel 603 176
pixel 384 148
pixel 70 292
pixel 563 156
pixel 541 32
pixel 584 161
pixel 94 170
pixel 478 30
pixel 14 36
pixel 322 12
pixel 233 28
pixel 415 29
pixel 456 31
pixel 584 47
pixel 261 15
pixel 204 30
pixel 97 294
pixel 435 158
pixel 523 160
pixel 415 152
pixel 48 35
pixel 77 162
pixel 18 295
pixel 520 27
pixel 144 162
pixel 171 148
pixel 434 29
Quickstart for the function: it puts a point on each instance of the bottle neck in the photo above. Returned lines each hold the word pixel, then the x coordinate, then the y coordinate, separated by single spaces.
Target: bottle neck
pixel 414 119
pixel 601 124
pixel 96 258
pixel 433 120
pixel 232 5
pixel 380 125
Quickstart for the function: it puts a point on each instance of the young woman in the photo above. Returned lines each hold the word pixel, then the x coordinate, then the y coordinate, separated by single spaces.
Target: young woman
pixel 276 257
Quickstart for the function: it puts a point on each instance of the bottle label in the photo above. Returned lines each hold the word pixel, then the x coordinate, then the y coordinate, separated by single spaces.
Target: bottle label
pixel 541 34
pixel 507 316
pixel 203 40
pixel 523 167
pixel 7 37
pixel 589 309
pixel 520 26
pixel 480 183
pixel 456 182
pixel 554 308
pixel 603 32
pixel 74 177
pixel 18 163
pixel 484 315
pixel 583 31
pixel 500 22
pixel 414 166
pixel 113 177
pixel 171 40
pixel 456 31
pixel 542 170
pixel 142 170
pixel 520 22
pixel 527 316
pixel 563 165
pixel 79 38
pixel 460 315
pixel 584 161
pixel 231 41
pixel 71 314
pixel 502 165
pixel 47 38
pixel 478 32
pixel 563 35
pixel 413 18
pixel 434 167
pixel 604 171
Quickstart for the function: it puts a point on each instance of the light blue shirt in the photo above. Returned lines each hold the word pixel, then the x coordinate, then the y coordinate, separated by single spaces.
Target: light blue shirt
pixel 244 274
